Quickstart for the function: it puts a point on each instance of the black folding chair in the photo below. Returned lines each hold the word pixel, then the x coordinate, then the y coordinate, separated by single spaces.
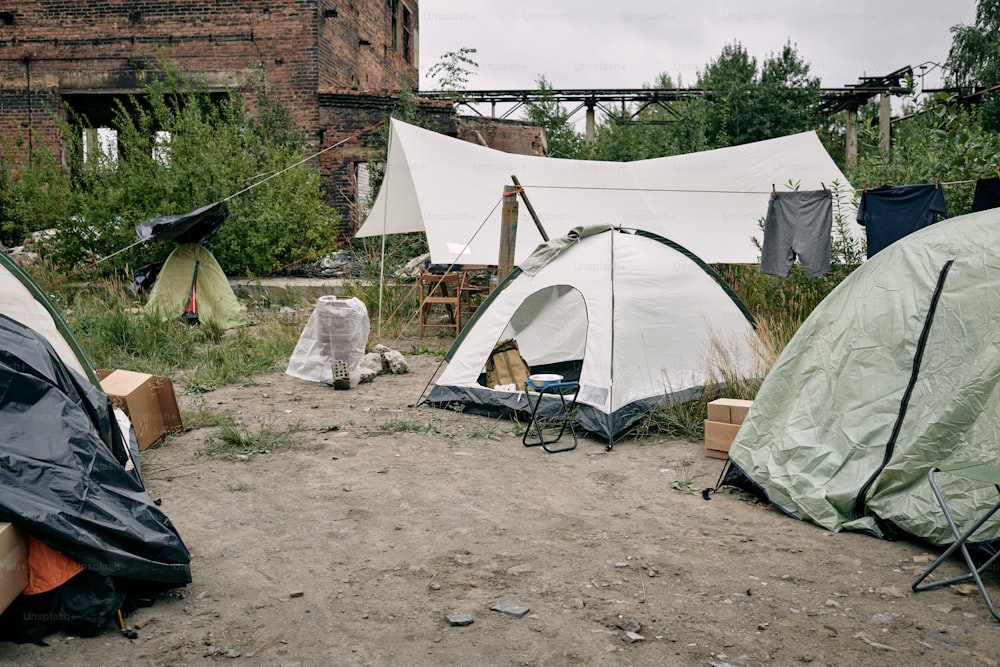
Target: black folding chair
pixel 989 474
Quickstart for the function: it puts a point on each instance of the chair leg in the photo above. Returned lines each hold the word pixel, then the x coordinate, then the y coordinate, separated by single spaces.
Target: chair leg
pixel 960 545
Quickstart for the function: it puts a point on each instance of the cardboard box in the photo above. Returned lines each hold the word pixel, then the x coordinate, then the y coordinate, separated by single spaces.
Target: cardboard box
pixel 728 410
pixel 13 563
pixel 148 400
pixel 718 437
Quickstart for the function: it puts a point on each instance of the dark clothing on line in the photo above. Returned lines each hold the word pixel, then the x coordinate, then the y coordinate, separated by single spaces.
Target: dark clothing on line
pixel 987 194
pixel 890 212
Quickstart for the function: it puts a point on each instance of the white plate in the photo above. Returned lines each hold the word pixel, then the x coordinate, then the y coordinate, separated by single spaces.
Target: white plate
pixel 542 379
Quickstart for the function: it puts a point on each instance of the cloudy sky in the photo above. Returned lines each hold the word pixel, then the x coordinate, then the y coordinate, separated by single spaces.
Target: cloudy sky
pixel 627 43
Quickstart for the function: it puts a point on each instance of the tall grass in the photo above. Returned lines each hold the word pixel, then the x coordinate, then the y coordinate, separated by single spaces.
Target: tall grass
pixel 118 332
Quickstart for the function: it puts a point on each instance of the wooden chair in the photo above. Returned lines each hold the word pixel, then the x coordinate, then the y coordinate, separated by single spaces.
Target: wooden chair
pixel 441 289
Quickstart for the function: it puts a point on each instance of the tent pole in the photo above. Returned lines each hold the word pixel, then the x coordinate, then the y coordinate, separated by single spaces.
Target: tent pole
pixel 531 209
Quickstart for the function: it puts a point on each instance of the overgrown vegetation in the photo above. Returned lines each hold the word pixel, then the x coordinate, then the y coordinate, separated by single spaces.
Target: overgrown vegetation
pixel 173 150
pixel 118 333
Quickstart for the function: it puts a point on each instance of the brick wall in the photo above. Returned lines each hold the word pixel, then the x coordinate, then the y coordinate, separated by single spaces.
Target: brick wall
pixel 521 137
pixel 335 65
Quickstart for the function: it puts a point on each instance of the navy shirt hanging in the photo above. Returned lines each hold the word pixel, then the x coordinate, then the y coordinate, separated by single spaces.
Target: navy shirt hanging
pixel 890 212
pixel 987 194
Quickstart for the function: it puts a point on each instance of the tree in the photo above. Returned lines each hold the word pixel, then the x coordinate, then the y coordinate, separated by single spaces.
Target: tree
pixel 750 105
pixel 562 139
pixel 452 72
pixel 787 97
pixel 974 58
pixel 731 81
pixel 655 130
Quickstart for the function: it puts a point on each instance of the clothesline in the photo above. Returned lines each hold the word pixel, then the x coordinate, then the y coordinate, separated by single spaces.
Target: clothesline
pixel 721 192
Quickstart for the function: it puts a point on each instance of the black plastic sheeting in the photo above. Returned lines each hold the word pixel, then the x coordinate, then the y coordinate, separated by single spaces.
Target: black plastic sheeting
pixel 197 226
pixel 63 480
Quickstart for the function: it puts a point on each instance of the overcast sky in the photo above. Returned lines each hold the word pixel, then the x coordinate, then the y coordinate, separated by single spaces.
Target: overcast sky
pixel 627 43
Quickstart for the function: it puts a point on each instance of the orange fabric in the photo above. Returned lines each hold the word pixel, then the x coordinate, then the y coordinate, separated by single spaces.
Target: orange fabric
pixel 47 568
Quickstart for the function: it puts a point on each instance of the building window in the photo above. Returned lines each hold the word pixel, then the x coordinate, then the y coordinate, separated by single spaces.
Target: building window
pixel 407 44
pixel 394 20
pixel 161 148
pixel 363 198
pixel 100 146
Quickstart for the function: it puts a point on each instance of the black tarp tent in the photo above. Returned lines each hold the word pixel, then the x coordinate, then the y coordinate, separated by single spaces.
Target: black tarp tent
pixel 68 476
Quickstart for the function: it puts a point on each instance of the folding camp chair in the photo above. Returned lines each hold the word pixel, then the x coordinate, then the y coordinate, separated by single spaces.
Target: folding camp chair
pixel 976 472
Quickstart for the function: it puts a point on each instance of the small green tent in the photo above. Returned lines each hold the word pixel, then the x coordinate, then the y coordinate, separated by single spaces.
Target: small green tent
pixel 896 371
pixel 215 300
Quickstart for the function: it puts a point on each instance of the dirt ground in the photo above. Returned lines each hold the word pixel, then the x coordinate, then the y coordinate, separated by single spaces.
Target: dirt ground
pixel 351 546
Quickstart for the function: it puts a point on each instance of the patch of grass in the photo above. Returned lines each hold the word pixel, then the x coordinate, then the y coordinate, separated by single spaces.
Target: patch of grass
pixel 489 430
pixel 202 416
pixel 235 438
pixel 401 426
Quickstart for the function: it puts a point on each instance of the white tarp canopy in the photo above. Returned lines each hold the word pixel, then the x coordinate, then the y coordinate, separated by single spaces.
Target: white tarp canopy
pixel 708 202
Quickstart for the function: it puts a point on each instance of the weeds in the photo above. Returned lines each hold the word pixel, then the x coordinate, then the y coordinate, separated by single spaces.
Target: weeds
pixel 394 426
pixel 238 439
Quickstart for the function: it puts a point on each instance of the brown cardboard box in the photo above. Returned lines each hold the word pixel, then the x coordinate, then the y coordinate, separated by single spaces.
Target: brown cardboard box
pixel 718 438
pixel 148 400
pixel 13 563
pixel 728 410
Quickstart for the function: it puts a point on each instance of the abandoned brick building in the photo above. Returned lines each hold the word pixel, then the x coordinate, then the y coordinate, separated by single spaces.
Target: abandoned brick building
pixel 337 65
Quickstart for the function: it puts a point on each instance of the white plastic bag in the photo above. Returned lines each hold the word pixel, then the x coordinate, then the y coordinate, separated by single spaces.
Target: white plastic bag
pixel 337 331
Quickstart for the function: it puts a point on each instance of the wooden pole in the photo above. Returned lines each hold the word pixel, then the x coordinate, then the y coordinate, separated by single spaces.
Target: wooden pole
pixel 852 137
pixel 508 231
pixel 884 120
pixel 589 133
pixel 531 209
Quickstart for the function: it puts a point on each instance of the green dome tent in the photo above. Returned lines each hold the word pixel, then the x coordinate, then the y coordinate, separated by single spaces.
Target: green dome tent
pixel 191 267
pixel 896 371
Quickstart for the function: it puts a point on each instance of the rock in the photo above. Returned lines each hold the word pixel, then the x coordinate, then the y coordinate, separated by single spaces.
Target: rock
pixel 621 564
pixel 964 589
pixel 458 620
pixel 434 586
pixel 233 653
pixel 393 359
pixel 880 619
pixel 890 592
pixel 633 637
pixel 367 375
pixel 373 361
pixel 511 609
pixel 628 625
pixel 296 594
